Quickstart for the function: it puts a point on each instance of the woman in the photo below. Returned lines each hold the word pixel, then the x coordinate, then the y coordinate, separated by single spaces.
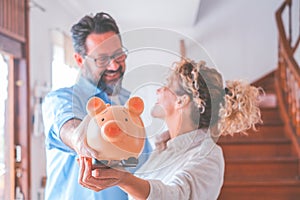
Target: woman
pixel 197 109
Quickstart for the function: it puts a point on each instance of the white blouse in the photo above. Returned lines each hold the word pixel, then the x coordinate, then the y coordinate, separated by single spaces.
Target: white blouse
pixel 191 167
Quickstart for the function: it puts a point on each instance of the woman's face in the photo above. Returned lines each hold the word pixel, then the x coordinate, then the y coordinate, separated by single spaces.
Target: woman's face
pixel 166 99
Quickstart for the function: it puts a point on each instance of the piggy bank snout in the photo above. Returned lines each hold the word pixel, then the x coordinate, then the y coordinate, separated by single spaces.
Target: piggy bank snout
pixel 111 131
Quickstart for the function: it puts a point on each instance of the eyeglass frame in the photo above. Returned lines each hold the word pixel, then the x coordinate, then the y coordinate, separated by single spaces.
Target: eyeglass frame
pixel 110 58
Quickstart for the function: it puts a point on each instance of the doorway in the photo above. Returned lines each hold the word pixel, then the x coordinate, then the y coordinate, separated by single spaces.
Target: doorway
pixel 6 132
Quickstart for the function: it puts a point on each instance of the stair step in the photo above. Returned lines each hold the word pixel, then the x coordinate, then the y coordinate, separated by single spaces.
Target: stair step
pixel 268 100
pixel 261 168
pixel 271 115
pixel 263 182
pixel 266 82
pixel 262 165
pixel 257 148
pixel 284 189
pixel 262 133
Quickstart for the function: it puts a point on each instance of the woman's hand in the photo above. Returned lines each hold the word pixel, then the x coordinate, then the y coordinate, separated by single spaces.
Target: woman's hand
pixel 98 179
pixel 101 178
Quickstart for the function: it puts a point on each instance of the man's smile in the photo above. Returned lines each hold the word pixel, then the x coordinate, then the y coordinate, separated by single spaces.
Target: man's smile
pixel 113 74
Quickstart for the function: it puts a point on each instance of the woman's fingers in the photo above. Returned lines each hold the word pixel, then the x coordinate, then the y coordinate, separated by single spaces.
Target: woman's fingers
pixel 109 176
pixel 105 178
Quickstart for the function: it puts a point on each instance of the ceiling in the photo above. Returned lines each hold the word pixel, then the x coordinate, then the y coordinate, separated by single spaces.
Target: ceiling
pixel 136 13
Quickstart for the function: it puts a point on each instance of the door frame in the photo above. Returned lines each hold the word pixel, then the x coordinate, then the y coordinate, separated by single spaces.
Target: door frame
pixel 19 123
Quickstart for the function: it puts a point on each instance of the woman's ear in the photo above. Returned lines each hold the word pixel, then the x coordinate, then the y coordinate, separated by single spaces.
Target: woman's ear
pixel 182 101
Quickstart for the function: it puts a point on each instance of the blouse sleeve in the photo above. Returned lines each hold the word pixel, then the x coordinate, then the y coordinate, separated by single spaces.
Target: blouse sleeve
pixel 199 179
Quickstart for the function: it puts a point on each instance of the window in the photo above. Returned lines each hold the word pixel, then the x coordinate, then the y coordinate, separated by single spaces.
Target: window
pixel 64 70
pixel 62 74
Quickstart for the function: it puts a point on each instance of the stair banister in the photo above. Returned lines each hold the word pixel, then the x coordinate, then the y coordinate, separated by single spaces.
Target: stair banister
pixel 288 74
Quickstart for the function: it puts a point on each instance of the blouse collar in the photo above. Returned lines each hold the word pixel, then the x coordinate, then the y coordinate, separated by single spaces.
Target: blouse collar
pixel 190 140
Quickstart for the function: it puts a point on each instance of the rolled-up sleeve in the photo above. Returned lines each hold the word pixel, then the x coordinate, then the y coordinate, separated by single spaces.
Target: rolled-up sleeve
pixel 57 110
pixel 198 179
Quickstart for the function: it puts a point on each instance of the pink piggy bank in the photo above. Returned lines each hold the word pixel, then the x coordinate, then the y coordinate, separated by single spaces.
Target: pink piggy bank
pixel 116 132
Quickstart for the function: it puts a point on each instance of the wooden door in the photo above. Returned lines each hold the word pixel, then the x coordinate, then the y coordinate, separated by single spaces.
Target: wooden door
pixel 14 101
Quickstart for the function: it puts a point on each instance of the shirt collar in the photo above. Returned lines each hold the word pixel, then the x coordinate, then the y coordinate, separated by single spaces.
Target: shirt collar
pixel 90 89
pixel 86 85
pixel 188 140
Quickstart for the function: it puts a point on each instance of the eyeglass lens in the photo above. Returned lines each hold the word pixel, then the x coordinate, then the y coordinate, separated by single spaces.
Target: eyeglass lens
pixel 103 61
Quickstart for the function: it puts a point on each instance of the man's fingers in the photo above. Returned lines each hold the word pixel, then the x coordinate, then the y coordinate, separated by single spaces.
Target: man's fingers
pixel 92 153
pixel 85 174
pixel 97 179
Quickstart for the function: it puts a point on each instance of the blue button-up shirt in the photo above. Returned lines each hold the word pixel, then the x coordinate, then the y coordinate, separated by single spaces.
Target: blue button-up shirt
pixel 62 168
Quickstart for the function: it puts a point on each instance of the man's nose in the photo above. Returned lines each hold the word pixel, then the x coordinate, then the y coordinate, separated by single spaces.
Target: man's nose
pixel 113 65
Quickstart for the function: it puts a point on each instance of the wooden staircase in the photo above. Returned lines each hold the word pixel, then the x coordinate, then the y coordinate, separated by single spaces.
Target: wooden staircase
pixel 264 164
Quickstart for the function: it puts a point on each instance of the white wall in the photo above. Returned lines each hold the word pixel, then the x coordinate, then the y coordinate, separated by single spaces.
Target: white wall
pixel 41 24
pixel 240 37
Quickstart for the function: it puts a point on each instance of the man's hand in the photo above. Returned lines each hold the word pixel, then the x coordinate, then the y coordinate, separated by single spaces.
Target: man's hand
pixel 73 133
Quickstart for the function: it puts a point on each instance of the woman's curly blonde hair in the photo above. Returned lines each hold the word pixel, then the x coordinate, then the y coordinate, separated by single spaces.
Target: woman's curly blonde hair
pixel 234 109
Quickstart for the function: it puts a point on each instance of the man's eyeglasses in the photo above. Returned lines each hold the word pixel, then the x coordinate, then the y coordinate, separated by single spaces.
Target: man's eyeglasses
pixel 104 60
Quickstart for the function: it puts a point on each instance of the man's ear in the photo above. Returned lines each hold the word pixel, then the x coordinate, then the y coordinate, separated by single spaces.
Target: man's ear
pixel 79 59
pixel 182 101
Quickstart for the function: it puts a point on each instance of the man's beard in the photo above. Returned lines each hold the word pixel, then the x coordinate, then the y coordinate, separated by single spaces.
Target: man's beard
pixel 111 88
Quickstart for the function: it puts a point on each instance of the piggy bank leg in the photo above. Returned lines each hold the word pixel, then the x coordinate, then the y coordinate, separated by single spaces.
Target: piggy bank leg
pixel 105 163
pixel 130 162
pixel 100 163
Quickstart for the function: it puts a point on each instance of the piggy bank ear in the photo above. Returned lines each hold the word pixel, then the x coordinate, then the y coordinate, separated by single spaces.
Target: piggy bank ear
pixel 135 105
pixel 94 106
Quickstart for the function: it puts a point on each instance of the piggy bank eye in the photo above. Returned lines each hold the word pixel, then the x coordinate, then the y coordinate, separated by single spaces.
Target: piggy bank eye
pixel 102 119
pixel 126 120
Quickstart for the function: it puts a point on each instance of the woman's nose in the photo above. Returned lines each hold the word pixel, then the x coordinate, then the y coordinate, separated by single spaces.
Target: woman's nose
pixel 158 90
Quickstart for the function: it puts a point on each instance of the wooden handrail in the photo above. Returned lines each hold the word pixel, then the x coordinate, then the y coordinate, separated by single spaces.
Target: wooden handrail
pixel 296 44
pixel 288 76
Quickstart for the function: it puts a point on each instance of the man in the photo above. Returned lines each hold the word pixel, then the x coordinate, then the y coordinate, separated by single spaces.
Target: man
pixel 101 58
